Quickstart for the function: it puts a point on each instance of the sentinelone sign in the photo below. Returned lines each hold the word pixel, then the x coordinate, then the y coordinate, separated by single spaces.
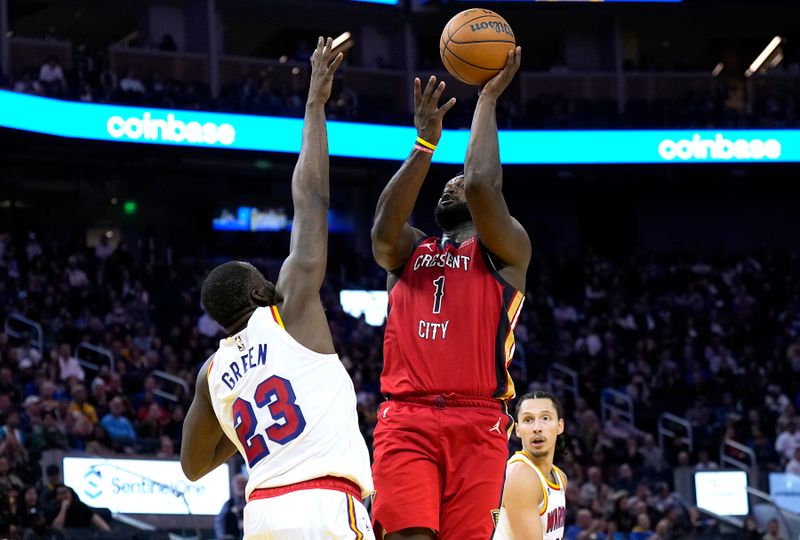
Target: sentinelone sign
pixel 273 134
pixel 137 486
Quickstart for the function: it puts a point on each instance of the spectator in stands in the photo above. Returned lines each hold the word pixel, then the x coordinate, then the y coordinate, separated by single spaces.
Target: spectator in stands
pixel 585 525
pixel 653 462
pixel 104 249
pixel 641 531
pixel 700 525
pixel 51 75
pixel 81 405
pixel 750 531
pixel 228 523
pixel 8 479
pixel 27 351
pixel 773 531
pixel 30 512
pixel 68 365
pixel 50 434
pixel 74 514
pixel 704 463
pixel 793 467
pixel 28 85
pixel 119 428
pixel 593 487
pixel 788 440
pixel 131 83
pixel 167 43
pixel 76 276
pixel 166 448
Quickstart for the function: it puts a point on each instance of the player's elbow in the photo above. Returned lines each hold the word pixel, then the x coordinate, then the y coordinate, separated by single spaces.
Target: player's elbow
pixel 311 199
pixel 191 469
pixel 478 182
pixel 192 474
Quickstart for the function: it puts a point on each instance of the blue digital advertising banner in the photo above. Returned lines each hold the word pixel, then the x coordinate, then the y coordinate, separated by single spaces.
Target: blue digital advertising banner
pixel 274 134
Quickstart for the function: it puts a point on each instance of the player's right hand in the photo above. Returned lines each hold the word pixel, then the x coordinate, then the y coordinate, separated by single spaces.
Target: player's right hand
pixel 427 113
pixel 322 70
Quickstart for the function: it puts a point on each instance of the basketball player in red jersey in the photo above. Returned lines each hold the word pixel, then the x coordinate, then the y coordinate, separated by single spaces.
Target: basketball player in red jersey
pixel 441 439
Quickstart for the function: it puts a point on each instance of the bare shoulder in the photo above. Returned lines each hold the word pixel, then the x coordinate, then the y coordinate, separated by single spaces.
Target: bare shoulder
pixel 522 483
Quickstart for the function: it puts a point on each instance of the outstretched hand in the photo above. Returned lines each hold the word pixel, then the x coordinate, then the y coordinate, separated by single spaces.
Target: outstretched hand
pixel 427 113
pixel 322 70
pixel 500 82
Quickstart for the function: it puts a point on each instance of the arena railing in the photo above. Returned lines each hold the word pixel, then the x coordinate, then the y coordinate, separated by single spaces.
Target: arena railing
pixel 729 447
pixel 394 84
pixel 17 325
pixel 92 357
pixel 768 509
pixel 163 375
pixel 667 423
pixel 30 53
pixel 613 400
pixel 559 371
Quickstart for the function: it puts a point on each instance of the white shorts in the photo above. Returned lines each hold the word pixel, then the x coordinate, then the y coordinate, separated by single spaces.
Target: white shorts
pixel 309 514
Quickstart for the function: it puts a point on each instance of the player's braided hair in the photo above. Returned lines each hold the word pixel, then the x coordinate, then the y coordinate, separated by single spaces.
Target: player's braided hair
pixel 561 441
pixel 225 293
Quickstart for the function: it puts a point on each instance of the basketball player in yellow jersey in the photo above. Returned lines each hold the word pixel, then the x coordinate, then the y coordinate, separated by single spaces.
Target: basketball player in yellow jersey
pixel 275 390
pixel 534 495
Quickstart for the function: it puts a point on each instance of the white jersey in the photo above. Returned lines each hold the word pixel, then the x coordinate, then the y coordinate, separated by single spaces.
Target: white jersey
pixel 291 412
pixel 552 509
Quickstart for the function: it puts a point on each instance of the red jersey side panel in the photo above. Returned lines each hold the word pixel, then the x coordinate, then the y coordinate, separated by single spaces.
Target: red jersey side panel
pixel 451 324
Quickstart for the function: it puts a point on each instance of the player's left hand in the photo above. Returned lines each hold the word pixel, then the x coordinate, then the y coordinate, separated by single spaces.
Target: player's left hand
pixel 322 70
pixel 499 82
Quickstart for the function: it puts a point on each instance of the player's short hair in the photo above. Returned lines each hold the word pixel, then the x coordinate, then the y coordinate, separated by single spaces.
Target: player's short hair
pixel 225 293
pixel 561 441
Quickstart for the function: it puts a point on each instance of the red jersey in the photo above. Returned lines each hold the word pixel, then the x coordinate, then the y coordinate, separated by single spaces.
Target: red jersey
pixel 451 324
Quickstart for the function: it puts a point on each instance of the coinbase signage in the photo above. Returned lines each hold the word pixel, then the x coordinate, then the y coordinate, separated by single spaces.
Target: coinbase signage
pixel 272 134
pixel 135 486
pixel 169 129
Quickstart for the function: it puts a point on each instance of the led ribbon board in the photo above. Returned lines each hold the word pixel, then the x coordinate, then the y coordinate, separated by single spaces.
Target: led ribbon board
pixel 146 125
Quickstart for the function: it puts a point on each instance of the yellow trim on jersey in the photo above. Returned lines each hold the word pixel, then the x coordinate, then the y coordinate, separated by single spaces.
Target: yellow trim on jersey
pixel 546 479
pixel 351 515
pixel 514 306
pixel 508 347
pixel 210 365
pixel 562 477
pixel 522 457
pixel 277 316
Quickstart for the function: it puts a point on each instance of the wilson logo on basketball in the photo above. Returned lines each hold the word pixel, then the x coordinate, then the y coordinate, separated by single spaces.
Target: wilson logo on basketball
pixel 500 28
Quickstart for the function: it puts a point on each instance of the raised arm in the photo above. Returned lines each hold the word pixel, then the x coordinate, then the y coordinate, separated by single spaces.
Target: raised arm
pixel 483 179
pixel 303 271
pixel 392 236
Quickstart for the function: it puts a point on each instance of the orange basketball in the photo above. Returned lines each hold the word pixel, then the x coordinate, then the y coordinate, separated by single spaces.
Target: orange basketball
pixel 474 45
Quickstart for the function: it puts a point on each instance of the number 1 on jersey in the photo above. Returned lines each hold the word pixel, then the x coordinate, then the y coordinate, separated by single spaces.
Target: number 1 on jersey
pixel 437 296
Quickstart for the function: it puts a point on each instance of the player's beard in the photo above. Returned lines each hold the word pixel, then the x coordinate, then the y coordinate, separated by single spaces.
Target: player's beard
pixel 541 453
pixel 450 216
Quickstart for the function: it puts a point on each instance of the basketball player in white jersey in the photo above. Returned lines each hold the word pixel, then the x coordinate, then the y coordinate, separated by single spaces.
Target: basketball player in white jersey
pixel 275 391
pixel 534 495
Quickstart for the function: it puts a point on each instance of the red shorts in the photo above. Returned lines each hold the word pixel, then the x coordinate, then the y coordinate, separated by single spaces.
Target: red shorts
pixel 440 464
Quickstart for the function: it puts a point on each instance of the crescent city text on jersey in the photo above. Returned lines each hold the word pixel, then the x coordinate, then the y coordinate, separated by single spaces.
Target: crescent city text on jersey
pixel 249 360
pixel 459 262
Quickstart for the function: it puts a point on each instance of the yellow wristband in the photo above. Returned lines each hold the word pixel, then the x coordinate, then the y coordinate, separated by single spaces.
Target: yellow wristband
pixel 425 143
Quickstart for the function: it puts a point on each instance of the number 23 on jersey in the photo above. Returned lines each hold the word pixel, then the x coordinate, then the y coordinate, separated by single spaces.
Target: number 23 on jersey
pixel 277 395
